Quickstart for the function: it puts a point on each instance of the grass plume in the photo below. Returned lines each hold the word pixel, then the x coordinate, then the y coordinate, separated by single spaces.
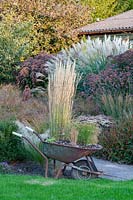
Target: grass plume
pixel 61 90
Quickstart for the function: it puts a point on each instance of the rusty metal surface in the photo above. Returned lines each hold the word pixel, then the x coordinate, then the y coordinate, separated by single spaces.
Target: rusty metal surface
pixel 67 153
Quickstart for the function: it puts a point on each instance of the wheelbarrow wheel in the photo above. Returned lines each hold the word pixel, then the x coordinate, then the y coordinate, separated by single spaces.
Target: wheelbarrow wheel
pixel 79 174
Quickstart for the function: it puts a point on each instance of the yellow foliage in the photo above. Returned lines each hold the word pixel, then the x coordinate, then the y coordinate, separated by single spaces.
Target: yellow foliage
pixel 54 21
pixel 101 9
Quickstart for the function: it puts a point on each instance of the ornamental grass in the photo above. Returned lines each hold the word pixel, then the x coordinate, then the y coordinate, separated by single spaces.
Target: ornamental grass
pixel 61 91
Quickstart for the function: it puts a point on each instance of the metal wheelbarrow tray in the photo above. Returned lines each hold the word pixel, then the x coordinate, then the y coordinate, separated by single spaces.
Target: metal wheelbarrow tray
pixel 68 153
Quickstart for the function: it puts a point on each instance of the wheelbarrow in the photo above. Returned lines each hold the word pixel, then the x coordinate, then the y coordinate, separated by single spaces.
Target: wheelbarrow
pixel 78 159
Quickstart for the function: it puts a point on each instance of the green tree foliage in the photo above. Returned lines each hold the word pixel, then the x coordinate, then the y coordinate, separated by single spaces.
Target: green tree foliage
pixel 15 46
pixel 101 9
pixel 54 21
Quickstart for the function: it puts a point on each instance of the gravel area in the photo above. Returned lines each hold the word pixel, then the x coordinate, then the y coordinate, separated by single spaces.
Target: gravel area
pixel 114 170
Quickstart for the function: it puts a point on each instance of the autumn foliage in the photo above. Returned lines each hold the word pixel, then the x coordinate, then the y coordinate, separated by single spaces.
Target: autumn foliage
pixel 34 71
pixel 54 21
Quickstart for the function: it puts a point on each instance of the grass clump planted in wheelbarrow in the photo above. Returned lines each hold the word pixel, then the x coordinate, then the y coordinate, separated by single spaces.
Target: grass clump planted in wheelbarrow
pixel 88 133
pixel 62 86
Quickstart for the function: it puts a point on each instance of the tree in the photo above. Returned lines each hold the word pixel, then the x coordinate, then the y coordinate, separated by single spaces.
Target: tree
pixel 54 21
pixel 15 46
pixel 101 9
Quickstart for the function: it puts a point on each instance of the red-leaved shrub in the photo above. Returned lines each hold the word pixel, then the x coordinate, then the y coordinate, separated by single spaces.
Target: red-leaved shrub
pixel 117 78
pixel 117 142
pixel 33 71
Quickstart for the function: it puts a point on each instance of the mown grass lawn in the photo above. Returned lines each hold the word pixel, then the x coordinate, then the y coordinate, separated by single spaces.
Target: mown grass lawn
pixel 14 187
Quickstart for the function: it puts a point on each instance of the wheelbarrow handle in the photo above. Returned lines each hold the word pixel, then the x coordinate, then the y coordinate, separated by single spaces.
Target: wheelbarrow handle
pixel 34 132
pixel 29 129
pixel 36 148
pixel 17 134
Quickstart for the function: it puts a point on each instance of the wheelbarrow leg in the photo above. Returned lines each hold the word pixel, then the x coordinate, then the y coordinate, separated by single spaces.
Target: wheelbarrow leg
pixel 60 171
pixel 46 168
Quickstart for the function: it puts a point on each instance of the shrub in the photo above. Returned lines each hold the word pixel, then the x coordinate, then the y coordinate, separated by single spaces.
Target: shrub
pixel 116 78
pixel 10 147
pixel 124 63
pixel 34 71
pixel 123 60
pixel 108 81
pixel 88 133
pixel 118 142
pixel 14 47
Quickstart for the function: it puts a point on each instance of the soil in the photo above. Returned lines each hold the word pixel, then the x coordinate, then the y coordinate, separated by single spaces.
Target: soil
pixel 68 143
pixel 27 168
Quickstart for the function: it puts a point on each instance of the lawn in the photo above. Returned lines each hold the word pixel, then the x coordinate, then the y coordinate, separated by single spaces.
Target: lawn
pixel 14 187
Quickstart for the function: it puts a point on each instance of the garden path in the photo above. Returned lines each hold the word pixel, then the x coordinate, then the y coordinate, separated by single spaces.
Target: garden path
pixel 117 171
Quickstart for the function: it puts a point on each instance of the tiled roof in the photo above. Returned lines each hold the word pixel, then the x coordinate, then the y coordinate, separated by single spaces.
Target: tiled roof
pixel 118 23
